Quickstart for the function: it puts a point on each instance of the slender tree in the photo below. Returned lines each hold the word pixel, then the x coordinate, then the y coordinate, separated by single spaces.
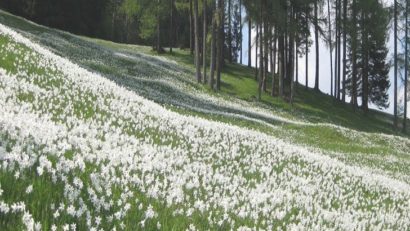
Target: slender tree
pixel 307 46
pixel 406 64
pixel 204 38
pixel 261 54
pixel 158 46
pixel 191 28
pixel 316 45
pixel 265 54
pixel 330 47
pixel 395 65
pixel 273 65
pixel 281 62
pixel 256 51
pixel 229 31
pixel 354 54
pixel 213 46
pixel 220 39
pixel 339 48
pixel 249 42
pixel 364 64
pixel 292 52
pixel 344 50
pixel 171 34
pixel 240 30
pixel 337 54
pixel 197 56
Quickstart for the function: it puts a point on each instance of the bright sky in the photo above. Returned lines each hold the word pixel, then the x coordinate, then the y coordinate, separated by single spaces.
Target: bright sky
pixel 324 66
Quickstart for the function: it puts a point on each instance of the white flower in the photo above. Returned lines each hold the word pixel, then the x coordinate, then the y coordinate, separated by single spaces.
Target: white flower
pixel 150 213
pixel 28 221
pixel 135 145
pixel 191 227
pixel 29 189
pixel 40 171
pixel 56 214
pixel 66 227
pixel 71 210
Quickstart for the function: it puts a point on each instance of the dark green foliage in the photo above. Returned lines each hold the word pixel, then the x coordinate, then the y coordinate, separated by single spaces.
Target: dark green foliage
pixel 367 43
pixel 236 31
pixel 77 16
pixel 127 21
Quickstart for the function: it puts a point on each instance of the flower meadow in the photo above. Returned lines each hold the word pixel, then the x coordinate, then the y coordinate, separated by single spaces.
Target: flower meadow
pixel 171 84
pixel 80 151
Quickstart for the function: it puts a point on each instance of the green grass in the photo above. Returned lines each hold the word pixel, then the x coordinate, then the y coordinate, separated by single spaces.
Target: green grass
pixel 39 205
pixel 238 82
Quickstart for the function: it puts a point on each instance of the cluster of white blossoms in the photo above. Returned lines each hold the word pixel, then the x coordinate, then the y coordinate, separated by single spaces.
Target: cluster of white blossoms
pixel 116 154
pixel 19 208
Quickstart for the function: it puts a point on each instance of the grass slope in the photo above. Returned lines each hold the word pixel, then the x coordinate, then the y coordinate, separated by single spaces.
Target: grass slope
pixel 108 158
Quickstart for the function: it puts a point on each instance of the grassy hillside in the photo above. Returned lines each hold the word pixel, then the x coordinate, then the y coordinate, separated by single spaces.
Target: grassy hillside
pixel 98 135
pixel 238 81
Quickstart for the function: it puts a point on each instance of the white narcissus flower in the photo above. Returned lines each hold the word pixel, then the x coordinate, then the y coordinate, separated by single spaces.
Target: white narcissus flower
pixel 224 171
pixel 29 189
pixel 150 213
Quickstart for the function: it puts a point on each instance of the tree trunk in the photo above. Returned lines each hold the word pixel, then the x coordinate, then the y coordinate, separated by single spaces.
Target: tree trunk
pixel 249 42
pixel 229 32
pixel 285 52
pixel 204 40
pixel 266 54
pixel 240 30
pixel 292 52
pixel 261 61
pixel 338 48
pixel 406 51
pixel 330 47
pixel 395 65
pixel 307 52
pixel 158 33
pixel 281 62
pixel 317 48
pixel 191 28
pixel 32 8
pixel 197 59
pixel 354 50
pixel 114 15
pixel 273 66
pixel 171 34
pixel 344 50
pixel 220 40
pixel 261 44
pixel 297 62
pixel 256 51
pixel 365 79
pixel 213 50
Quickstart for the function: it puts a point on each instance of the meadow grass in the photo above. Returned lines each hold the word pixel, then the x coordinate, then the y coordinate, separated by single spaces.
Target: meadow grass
pixel 238 82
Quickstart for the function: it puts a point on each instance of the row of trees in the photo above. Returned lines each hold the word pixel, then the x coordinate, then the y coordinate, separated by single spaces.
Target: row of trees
pixel 127 21
pixel 355 31
pixel 401 38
